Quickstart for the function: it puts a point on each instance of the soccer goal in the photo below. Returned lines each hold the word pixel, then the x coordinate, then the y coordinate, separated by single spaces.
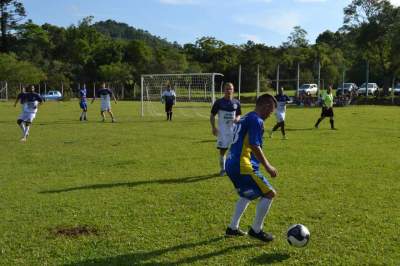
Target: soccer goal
pixel 195 93
pixel 3 91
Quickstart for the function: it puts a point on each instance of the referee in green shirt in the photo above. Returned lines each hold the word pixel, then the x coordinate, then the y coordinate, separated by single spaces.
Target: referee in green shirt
pixel 327 107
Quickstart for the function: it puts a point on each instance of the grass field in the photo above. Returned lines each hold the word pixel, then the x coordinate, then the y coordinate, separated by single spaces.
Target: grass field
pixel 148 190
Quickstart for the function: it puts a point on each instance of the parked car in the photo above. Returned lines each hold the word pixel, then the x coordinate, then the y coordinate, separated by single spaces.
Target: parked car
pixel 396 89
pixel 308 89
pixel 372 89
pixel 52 95
pixel 346 88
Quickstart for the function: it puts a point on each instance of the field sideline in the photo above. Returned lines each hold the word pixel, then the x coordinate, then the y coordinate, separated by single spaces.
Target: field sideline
pixel 148 187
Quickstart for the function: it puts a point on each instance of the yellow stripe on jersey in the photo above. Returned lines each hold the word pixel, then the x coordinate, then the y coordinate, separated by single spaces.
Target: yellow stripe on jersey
pixel 261 185
pixel 245 156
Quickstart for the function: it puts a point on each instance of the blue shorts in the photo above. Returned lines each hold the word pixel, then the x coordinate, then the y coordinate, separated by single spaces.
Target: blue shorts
pixel 83 105
pixel 251 186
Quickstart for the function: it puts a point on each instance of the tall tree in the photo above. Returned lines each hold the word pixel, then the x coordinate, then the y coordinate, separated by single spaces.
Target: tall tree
pixel 11 12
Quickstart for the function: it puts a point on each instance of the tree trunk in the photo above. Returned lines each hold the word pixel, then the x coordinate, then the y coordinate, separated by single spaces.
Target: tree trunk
pixel 3 28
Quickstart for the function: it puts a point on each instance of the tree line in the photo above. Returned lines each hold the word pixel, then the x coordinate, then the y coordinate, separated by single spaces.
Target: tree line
pixel 113 51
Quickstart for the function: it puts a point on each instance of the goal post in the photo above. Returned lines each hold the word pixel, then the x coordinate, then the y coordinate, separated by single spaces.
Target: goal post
pixel 194 91
pixel 3 91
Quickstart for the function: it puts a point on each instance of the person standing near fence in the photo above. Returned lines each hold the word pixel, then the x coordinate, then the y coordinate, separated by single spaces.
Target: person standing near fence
pixel 327 108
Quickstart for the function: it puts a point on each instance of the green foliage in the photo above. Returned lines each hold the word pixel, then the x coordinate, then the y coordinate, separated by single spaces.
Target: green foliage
pixel 11 13
pixel 14 70
pixel 115 72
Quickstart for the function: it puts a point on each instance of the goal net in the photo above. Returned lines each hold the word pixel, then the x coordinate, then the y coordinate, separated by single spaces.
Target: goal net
pixel 3 91
pixel 195 93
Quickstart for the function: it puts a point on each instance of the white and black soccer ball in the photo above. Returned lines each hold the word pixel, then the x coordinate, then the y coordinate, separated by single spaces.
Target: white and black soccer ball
pixel 298 235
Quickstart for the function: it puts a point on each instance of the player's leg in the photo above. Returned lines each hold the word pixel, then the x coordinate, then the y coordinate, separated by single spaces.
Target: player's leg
pixel 111 115
pixel 103 116
pixel 222 159
pixel 27 128
pixel 241 183
pixel 21 124
pixel 283 130
pixel 84 113
pixel 233 228
pixel 267 193
pixel 331 120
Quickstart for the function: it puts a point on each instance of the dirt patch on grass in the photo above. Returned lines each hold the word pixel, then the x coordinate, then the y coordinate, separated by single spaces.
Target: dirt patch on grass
pixel 75 231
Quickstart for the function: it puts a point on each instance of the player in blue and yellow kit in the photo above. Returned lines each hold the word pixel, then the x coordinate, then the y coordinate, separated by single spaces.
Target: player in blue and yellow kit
pixel 242 167
pixel 83 103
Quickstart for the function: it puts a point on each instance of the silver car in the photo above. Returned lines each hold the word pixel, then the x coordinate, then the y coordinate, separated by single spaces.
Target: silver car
pixel 52 96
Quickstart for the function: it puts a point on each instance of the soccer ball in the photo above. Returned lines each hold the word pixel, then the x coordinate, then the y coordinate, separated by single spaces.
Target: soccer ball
pixel 298 235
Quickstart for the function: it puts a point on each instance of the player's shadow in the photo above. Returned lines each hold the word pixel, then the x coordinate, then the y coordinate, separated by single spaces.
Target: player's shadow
pixel 172 181
pixel 205 141
pixel 153 257
pixel 269 258
pixel 300 129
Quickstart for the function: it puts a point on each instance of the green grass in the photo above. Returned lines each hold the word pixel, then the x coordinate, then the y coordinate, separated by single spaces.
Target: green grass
pixel 148 187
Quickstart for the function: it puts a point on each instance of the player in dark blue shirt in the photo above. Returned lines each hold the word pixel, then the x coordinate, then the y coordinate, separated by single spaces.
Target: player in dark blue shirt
pixel 168 97
pixel 229 111
pixel 30 102
pixel 105 95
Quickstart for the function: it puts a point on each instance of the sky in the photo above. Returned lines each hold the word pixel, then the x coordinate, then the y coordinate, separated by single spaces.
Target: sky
pixel 184 21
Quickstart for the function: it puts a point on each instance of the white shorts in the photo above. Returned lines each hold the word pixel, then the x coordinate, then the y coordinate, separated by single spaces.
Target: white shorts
pixel 27 116
pixel 105 106
pixel 224 141
pixel 280 116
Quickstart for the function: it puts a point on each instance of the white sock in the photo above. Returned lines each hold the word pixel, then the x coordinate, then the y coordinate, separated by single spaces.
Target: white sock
pixel 241 206
pixel 26 133
pixel 222 162
pixel 261 212
pixel 22 126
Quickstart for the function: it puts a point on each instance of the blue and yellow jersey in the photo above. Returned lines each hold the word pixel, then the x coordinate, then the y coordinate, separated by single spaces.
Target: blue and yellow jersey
pixel 82 94
pixel 249 131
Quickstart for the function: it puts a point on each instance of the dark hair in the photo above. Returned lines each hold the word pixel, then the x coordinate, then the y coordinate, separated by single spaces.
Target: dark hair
pixel 266 99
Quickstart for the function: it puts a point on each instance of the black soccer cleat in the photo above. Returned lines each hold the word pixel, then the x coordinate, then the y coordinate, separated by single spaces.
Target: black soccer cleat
pixel 265 237
pixel 234 232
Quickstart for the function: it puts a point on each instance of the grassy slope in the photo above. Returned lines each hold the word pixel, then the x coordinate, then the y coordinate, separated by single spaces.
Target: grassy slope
pixel 148 187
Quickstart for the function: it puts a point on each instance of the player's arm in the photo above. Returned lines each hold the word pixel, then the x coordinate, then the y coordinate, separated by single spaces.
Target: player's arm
pixel 115 100
pixel 214 111
pixel 16 101
pixel 259 154
pixel 238 114
pixel 94 98
pixel 163 97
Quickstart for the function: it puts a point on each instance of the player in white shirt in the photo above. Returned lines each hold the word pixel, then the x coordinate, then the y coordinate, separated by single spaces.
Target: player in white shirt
pixel 229 111
pixel 168 97
pixel 30 102
pixel 280 113
pixel 105 95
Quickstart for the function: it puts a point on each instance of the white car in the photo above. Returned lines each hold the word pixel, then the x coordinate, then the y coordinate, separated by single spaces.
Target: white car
pixel 372 89
pixel 349 88
pixel 52 95
pixel 396 90
pixel 308 89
